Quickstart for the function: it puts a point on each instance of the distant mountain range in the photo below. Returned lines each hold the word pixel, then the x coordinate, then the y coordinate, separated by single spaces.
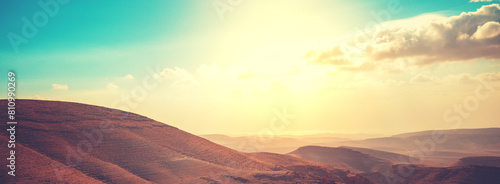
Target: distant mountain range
pixel 456 144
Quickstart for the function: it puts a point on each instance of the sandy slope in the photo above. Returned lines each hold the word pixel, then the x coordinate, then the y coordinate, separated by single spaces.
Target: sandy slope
pixel 96 144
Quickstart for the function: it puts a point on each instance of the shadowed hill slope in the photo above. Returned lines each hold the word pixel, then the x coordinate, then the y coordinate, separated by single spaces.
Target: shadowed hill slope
pixel 389 156
pixel 342 157
pixel 438 175
pixel 478 160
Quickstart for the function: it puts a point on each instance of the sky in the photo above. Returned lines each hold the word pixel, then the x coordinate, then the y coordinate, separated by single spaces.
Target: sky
pixel 263 67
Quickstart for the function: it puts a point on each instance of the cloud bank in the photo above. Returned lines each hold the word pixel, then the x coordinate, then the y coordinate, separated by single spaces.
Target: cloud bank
pixel 419 41
pixel 472 35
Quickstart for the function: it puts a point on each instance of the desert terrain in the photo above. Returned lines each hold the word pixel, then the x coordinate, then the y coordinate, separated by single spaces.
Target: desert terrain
pixel 65 142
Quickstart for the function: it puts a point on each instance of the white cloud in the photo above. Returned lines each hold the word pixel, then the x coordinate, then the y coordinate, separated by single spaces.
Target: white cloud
pixel 112 86
pixel 176 73
pixel 475 1
pixel 188 82
pixel 443 39
pixel 491 76
pixel 128 77
pixel 180 77
pixel 396 46
pixel 59 87
pixel 333 56
pixel 421 78
pixel 488 30
pixel 463 78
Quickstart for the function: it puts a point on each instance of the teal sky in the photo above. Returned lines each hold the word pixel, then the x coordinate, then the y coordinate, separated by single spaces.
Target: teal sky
pixel 87 45
pixel 89 26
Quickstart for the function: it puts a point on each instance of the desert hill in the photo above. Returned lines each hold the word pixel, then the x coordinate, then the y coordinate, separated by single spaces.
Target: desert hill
pixel 389 156
pixel 342 157
pixel 78 143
